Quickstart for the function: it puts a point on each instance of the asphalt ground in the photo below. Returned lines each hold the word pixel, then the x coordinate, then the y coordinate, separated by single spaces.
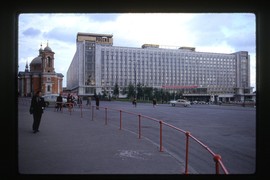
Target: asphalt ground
pixel 71 144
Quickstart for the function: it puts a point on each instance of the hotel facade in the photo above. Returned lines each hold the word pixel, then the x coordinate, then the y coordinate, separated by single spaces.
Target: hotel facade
pixel 98 65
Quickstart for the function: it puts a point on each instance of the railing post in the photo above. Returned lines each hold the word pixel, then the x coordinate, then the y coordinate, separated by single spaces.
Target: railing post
pixel 120 119
pixel 160 136
pixel 139 126
pixel 217 158
pixel 70 107
pixel 187 144
pixel 106 116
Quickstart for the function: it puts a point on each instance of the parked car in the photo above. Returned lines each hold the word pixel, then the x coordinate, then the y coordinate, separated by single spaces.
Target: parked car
pixel 193 102
pixel 180 102
pixel 50 100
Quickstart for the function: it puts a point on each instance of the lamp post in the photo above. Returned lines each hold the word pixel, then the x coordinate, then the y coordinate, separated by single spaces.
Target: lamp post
pixel 135 77
pixel 135 73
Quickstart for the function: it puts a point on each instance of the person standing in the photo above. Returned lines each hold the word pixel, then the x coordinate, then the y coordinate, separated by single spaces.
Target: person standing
pixel 134 102
pixel 59 102
pixel 97 102
pixel 69 102
pixel 79 101
pixel 154 102
pixel 88 101
pixel 37 106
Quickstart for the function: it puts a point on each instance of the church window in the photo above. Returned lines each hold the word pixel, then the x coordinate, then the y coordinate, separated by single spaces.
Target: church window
pixel 49 62
pixel 48 88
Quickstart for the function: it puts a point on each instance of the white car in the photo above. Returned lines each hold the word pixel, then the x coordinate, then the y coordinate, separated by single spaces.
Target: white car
pixel 180 102
pixel 50 100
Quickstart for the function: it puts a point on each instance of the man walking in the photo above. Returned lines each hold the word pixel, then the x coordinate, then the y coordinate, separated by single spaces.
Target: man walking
pixel 59 102
pixel 37 106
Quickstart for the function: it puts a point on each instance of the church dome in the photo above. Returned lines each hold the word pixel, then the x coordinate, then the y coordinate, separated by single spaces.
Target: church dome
pixel 47 48
pixel 36 60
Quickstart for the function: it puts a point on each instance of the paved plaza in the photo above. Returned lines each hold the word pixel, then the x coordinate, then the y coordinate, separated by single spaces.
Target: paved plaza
pixel 71 144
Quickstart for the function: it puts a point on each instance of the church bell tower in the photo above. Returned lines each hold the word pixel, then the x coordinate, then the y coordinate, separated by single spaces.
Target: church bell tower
pixel 48 60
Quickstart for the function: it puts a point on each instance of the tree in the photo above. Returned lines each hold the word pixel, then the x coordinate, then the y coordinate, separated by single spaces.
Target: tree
pixel 131 91
pixel 124 91
pixel 167 96
pixel 116 90
pixel 148 91
pixel 104 94
pixel 158 94
pixel 139 91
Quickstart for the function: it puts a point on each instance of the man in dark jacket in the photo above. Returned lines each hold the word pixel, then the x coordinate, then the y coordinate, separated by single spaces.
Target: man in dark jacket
pixel 37 106
pixel 59 102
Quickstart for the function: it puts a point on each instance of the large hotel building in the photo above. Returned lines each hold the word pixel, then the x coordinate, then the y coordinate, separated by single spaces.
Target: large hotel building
pixel 98 65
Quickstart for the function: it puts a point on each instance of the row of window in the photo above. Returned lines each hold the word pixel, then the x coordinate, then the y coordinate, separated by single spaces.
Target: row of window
pixel 162 66
pixel 131 52
pixel 160 62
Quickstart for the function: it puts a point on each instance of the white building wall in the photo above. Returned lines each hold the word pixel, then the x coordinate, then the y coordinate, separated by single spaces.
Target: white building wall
pixel 98 69
pixel 158 67
pixel 73 70
pixel 218 72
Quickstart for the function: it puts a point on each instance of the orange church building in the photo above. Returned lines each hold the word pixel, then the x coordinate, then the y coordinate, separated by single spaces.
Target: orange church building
pixel 41 76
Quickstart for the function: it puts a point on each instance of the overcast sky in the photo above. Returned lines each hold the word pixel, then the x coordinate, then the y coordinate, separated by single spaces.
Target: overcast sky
pixel 207 32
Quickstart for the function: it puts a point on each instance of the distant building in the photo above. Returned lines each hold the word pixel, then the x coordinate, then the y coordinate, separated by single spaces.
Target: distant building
pixel 41 75
pixel 98 65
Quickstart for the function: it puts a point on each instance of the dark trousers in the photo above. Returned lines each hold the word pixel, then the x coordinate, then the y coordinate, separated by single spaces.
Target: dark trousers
pixel 59 106
pixel 37 118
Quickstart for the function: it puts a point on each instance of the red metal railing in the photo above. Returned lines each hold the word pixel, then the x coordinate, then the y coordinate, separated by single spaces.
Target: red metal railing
pixel 216 157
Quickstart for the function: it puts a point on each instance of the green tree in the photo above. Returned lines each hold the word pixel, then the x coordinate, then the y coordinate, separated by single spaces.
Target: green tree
pixel 124 91
pixel 131 91
pixel 158 94
pixel 116 90
pixel 148 92
pixel 167 96
pixel 139 91
pixel 104 94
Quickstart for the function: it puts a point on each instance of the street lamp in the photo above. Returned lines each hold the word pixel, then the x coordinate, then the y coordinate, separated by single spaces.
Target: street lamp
pixel 135 77
pixel 135 67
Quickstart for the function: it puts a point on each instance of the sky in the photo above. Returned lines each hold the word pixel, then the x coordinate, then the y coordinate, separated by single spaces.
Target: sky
pixel 207 32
